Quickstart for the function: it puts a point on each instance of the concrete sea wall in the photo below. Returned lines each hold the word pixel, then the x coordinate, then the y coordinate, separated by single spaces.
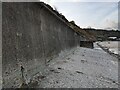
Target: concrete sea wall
pixel 31 36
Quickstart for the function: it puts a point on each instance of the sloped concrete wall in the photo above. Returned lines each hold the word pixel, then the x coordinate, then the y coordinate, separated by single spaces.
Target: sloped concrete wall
pixel 31 36
pixel 0 30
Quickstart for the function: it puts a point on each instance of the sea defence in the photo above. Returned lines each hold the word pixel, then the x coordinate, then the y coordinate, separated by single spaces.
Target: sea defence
pixel 32 34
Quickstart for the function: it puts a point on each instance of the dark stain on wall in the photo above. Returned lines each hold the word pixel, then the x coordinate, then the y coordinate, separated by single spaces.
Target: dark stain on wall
pixel 87 44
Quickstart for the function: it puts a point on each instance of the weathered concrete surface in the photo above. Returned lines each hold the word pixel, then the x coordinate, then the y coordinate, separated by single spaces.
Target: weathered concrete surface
pixel 0 45
pixel 31 36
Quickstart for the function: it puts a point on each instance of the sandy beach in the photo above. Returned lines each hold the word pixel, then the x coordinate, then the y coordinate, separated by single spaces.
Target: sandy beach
pixel 80 68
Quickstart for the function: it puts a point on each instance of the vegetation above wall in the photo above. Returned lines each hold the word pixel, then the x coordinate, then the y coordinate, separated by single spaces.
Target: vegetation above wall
pixel 90 34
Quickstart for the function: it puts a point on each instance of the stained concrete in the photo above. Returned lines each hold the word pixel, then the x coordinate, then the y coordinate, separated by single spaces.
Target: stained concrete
pixel 0 45
pixel 31 36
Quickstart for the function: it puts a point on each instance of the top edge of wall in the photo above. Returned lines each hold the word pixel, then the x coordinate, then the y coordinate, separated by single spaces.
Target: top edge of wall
pixel 19 0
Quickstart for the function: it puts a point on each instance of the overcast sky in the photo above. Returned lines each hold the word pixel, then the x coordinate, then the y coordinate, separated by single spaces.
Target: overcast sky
pixel 89 14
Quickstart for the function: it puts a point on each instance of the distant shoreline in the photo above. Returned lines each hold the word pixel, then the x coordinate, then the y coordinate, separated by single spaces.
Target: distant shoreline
pixel 107 50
